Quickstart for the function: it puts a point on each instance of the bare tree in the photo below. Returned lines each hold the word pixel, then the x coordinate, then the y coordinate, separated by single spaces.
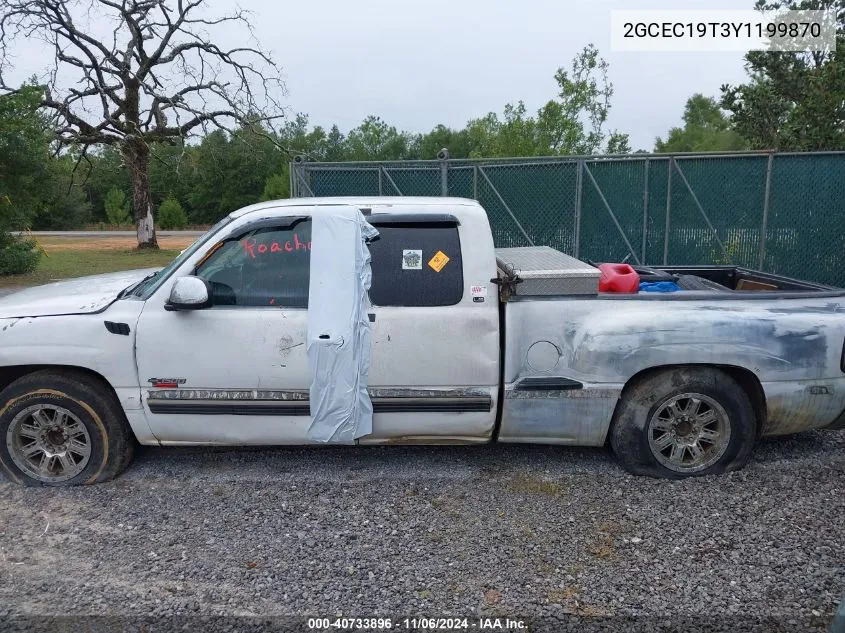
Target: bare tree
pixel 134 73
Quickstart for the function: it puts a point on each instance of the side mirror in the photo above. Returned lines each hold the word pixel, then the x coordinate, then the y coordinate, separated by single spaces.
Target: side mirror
pixel 189 293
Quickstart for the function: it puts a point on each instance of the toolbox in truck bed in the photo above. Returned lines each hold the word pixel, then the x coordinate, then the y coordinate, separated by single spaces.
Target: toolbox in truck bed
pixel 542 270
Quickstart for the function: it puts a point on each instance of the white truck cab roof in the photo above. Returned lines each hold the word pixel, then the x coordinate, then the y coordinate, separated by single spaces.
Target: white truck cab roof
pixel 383 204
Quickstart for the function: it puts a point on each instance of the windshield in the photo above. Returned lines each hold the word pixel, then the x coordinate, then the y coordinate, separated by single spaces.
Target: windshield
pixel 149 285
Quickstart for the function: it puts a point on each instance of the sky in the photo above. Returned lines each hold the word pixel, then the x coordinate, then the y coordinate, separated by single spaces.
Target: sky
pixel 416 64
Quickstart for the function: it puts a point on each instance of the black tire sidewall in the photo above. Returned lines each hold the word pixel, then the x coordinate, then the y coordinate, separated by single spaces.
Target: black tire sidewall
pixel 73 402
pixel 629 437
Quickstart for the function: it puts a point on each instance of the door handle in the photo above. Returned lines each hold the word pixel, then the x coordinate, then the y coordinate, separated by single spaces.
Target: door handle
pixel 329 339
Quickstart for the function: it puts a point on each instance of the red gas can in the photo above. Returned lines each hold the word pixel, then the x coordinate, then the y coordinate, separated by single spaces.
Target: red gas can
pixel 618 278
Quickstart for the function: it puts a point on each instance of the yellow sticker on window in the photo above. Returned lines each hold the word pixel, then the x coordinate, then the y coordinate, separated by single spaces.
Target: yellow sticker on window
pixel 439 260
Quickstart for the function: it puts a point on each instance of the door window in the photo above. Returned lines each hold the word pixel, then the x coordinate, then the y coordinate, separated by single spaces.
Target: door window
pixel 266 267
pixel 416 264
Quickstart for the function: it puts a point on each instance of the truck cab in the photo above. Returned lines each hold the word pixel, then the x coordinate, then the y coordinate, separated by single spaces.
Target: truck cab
pixel 237 372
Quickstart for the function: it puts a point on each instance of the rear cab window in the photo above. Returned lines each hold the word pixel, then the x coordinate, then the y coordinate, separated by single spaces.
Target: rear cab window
pixel 416 261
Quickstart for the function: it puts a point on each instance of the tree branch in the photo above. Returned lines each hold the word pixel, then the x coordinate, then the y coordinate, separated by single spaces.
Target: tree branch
pixel 156 63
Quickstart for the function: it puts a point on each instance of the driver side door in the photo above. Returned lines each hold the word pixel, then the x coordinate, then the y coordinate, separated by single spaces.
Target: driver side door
pixel 237 372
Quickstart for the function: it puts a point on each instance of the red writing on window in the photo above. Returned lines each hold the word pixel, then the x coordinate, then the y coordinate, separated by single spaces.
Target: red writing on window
pixel 252 247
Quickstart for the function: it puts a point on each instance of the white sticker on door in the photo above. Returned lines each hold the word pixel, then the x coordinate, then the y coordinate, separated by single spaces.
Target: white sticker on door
pixel 478 291
pixel 411 260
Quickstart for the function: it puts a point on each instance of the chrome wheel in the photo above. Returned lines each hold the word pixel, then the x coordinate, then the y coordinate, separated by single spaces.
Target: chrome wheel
pixel 689 432
pixel 49 443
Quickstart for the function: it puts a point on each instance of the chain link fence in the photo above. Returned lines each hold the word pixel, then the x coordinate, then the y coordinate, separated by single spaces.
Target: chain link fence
pixel 782 213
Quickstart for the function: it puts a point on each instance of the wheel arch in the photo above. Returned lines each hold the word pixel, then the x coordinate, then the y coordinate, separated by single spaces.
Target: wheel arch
pixel 746 379
pixel 10 374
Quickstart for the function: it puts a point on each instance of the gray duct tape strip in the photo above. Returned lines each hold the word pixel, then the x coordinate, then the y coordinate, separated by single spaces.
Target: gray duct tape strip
pixel 338 341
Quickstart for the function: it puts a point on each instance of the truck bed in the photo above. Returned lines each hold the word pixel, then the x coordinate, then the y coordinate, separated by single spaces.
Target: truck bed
pixel 569 350
pixel 541 271
pixel 732 278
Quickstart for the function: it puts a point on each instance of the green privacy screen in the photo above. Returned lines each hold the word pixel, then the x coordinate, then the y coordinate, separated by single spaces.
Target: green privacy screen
pixel 782 213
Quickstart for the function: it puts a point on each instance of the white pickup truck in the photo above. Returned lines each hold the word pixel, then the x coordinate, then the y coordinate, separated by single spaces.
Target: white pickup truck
pixel 211 350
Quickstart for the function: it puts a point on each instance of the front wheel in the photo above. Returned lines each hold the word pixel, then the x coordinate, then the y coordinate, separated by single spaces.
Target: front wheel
pixel 683 422
pixel 61 429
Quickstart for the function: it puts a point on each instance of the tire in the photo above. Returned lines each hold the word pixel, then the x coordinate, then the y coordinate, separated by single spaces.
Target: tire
pixel 658 430
pixel 62 428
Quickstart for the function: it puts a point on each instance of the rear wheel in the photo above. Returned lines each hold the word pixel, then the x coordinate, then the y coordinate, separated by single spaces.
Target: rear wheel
pixel 683 422
pixel 62 428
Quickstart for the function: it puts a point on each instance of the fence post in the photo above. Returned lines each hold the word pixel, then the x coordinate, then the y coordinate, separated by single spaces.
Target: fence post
pixel 764 226
pixel 443 157
pixel 475 182
pixel 298 174
pixel 668 211
pixel 645 213
pixel 380 169
pixel 292 180
pixel 579 185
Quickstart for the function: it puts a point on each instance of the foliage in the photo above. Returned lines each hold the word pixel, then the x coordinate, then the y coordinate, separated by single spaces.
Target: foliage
pixel 574 123
pixel 158 77
pixel 376 140
pixel 426 146
pixel 618 143
pixel 571 124
pixel 171 215
pixel 24 157
pixel 729 255
pixel 24 163
pixel 792 101
pixel 277 186
pixel 100 173
pixel 117 207
pixel 65 208
pixel 227 172
pixel 706 128
pixel 68 262
pixel 17 254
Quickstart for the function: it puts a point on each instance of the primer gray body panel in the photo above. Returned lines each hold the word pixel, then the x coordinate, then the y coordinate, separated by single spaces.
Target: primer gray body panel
pixel 792 346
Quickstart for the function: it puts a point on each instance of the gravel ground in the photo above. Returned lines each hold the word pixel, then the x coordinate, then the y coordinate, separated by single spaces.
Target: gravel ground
pixel 559 536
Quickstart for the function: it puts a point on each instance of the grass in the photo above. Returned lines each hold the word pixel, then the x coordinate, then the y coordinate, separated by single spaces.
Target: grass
pixel 68 256
pixel 533 485
pixel 560 596
pixel 602 547
pixel 65 263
